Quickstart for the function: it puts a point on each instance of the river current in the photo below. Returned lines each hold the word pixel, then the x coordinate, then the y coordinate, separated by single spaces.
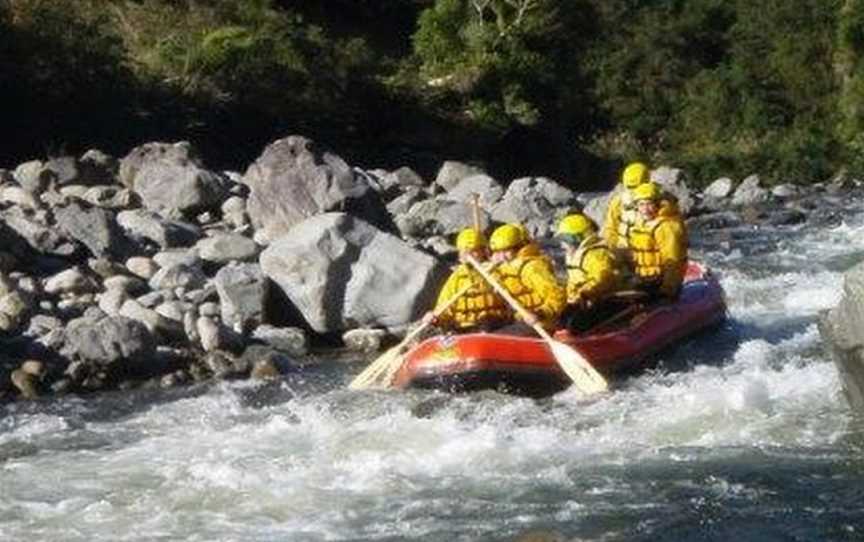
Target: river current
pixel 740 433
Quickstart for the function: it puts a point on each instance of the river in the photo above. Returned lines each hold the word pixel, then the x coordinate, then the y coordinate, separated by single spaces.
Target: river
pixel 740 433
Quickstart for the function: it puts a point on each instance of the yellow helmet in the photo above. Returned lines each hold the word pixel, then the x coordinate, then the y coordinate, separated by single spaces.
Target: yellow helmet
pixel 470 239
pixel 506 237
pixel 647 190
pixel 577 225
pixel 635 174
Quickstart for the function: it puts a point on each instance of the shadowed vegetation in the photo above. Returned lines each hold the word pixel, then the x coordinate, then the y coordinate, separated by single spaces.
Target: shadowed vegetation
pixel 569 88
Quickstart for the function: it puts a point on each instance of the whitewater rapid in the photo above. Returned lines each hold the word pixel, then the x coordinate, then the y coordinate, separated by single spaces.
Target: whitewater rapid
pixel 743 429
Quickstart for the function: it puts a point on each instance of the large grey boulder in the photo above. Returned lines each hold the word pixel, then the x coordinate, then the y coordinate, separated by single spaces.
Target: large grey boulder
pixel 294 179
pixel 110 340
pixel 532 201
pixel 342 273
pixel 170 179
pixel 842 328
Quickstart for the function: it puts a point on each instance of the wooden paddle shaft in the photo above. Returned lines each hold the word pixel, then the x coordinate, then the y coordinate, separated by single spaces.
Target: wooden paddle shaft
pixel 438 312
pixel 443 308
pixel 523 312
pixel 476 209
pixel 574 364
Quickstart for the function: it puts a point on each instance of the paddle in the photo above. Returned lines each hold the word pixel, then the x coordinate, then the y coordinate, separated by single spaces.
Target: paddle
pixel 574 364
pixel 475 207
pixel 384 368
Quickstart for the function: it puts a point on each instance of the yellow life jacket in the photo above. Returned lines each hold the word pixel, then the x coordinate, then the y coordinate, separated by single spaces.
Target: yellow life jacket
pixel 623 214
pixel 664 262
pixel 592 271
pixel 479 305
pixel 530 279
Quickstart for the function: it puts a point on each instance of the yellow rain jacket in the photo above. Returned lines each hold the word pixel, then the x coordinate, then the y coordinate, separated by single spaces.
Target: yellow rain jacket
pixel 592 272
pixel 660 252
pixel 621 215
pixel 479 305
pixel 530 278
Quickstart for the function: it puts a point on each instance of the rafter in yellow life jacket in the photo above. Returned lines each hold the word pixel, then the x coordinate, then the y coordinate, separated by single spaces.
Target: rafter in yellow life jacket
pixel 592 271
pixel 659 249
pixel 479 305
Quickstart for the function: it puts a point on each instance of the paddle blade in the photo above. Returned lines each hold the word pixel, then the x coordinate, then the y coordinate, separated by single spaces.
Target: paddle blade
pixel 384 366
pixel 584 375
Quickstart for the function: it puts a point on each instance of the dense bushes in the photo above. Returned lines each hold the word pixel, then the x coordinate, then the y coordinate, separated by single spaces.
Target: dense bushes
pixel 63 77
pixel 719 86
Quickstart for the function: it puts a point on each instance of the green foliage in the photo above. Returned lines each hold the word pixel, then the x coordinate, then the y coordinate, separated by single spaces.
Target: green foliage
pixel 737 86
pixel 246 52
pixel 64 75
pixel 642 67
pixel 507 62
pixel 722 87
pixel 851 27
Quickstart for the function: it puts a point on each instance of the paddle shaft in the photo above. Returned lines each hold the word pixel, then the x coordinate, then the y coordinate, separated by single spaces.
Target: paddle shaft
pixel 389 362
pixel 508 297
pixel 476 210
pixel 442 309
pixel 574 364
pixel 437 312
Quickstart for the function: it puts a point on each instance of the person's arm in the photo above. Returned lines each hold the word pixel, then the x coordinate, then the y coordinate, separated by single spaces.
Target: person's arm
pixel 671 238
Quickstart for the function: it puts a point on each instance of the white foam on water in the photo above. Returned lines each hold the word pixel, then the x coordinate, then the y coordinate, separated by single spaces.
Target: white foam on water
pixel 781 295
pixel 345 466
pixel 28 427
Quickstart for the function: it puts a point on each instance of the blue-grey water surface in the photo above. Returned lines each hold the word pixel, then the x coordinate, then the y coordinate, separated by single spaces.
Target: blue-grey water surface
pixel 739 434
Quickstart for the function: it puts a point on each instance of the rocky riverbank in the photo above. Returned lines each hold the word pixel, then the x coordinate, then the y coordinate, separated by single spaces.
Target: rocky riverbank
pixel 153 270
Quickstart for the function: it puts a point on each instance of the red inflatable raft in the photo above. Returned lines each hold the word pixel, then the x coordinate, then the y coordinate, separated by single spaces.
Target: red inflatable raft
pixel 525 365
